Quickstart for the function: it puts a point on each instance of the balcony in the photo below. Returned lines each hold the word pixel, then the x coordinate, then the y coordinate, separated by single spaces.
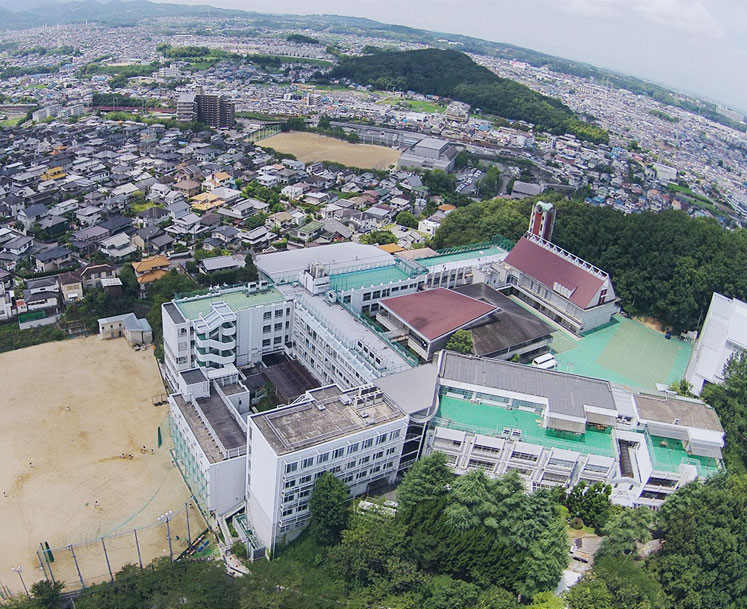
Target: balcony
pixel 215 358
pixel 210 343
pixel 228 330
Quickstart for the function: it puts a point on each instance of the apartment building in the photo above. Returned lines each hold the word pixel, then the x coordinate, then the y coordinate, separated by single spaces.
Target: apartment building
pixel 556 429
pixel 208 429
pixel 357 434
pixel 231 327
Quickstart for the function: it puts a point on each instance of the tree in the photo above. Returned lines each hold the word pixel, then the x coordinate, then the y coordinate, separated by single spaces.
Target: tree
pixel 324 122
pixel 729 399
pixel 490 185
pixel 625 528
pixel 405 218
pixel 255 220
pixel 445 592
pixel 461 342
pixel 590 503
pixel 589 593
pixel 329 509
pixel 439 182
pixel 379 237
pixel 47 594
pixel 424 481
pixel 701 563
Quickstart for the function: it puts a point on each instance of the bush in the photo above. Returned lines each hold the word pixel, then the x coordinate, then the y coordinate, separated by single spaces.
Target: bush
pixel 577 523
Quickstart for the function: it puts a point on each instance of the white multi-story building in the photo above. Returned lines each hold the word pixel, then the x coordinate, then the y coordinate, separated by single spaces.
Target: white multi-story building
pixel 6 303
pixel 556 429
pixel 357 435
pixel 337 347
pixel 229 327
pixel 208 430
pixel 724 335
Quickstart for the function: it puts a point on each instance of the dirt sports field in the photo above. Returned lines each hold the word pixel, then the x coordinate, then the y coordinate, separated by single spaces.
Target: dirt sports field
pixel 307 147
pixel 69 410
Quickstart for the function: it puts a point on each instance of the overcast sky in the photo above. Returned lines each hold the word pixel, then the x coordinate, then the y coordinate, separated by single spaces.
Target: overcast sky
pixel 698 46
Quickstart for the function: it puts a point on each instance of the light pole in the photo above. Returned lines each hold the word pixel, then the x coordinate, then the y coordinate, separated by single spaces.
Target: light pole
pixel 166 518
pixel 18 570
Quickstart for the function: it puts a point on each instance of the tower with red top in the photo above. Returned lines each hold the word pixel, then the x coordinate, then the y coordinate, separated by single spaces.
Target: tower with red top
pixel 542 220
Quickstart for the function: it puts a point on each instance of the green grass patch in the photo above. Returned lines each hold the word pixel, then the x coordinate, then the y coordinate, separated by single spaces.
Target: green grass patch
pixel 415 105
pixel 12 122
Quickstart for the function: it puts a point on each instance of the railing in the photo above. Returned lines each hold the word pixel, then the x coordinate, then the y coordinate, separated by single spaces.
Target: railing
pixel 209 428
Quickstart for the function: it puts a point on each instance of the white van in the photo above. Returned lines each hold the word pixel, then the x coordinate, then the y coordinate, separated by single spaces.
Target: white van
pixel 545 362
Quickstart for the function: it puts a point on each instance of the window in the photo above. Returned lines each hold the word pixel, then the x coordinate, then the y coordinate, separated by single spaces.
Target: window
pixel 303 506
pixel 305 493
pixel 390 451
pixel 379 455
pixel 287 512
pixel 338 452
pixel 289 498
pixel 350 465
pixel 267 315
pixel 363 460
pixel 353 448
pixel 291 467
pixel 376 294
pixel 279 313
pixel 381 439
pixel 305 479
pixel 323 458
pixel 318 475
pixel 266 342
pixel 266 329
pixel 346 299
pixel 278 327
pixel 277 340
pixel 394 434
pixel 360 475
pixel 367 443
pixel 367 296
pixel 307 462
pixel 290 484
pixel 375 469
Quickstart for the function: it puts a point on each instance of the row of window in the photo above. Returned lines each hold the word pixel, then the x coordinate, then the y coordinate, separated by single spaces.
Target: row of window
pixel 278 313
pixel 340 452
pixel 278 327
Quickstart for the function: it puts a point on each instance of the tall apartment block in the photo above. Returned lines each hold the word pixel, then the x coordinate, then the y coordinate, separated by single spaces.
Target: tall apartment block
pixel 214 110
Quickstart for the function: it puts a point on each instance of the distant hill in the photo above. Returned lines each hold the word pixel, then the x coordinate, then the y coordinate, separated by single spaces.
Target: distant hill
pixel 453 74
pixel 116 12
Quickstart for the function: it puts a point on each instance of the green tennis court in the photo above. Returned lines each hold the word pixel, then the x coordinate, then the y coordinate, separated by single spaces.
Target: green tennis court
pixel 624 352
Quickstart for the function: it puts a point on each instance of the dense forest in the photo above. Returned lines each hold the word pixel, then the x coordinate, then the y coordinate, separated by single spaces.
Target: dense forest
pixel 453 74
pixel 664 265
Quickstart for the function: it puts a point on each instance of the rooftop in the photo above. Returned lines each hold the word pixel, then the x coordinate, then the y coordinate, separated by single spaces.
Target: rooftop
pixel 434 313
pixel 624 352
pixel 286 266
pixel 668 454
pixel 468 254
pixel 688 413
pixel 237 300
pixel 325 415
pixel 367 277
pixel 566 394
pixel 489 419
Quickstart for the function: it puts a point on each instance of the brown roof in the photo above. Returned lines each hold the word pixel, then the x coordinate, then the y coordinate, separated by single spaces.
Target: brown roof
pixel 434 313
pixel 550 267
pixel 148 264
pixel 392 248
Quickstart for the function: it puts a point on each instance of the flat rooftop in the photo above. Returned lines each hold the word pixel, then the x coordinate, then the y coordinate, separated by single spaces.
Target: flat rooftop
pixel 239 300
pixel 489 419
pixel 323 417
pixel 478 255
pixel 225 426
pixel 285 266
pixel 566 393
pixel 668 454
pixel 666 409
pixel 624 352
pixel 367 277
pixel 434 313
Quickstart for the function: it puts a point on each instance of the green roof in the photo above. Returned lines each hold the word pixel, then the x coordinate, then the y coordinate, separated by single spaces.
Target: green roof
pixel 624 352
pixel 491 250
pixel 668 454
pixel 489 419
pixel 367 277
pixel 239 300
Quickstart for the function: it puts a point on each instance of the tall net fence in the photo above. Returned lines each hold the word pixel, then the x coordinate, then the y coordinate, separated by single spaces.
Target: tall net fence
pixel 86 563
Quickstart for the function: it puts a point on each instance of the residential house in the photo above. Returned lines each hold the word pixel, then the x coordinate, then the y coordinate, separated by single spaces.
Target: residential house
pixel 118 247
pixel 92 275
pixel 51 258
pixel 150 269
pixel 88 216
pixel 71 286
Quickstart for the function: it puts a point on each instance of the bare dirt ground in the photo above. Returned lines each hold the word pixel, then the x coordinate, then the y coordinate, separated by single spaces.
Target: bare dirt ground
pixel 307 147
pixel 69 410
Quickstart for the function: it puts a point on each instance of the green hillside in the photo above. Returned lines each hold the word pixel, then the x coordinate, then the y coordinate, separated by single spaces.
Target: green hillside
pixel 453 74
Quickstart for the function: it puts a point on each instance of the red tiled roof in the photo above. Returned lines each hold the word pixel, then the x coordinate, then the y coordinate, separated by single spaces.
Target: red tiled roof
pixel 434 313
pixel 548 267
